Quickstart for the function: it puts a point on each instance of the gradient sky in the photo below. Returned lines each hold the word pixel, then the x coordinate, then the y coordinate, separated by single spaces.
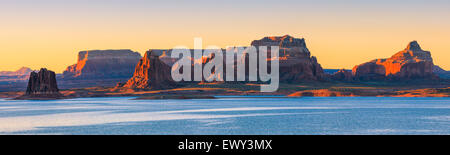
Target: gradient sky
pixel 341 33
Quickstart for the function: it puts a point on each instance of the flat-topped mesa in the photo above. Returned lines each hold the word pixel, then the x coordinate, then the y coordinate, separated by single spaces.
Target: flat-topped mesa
pixel 100 64
pixel 410 63
pixel 42 85
pixel 151 73
pixel 296 62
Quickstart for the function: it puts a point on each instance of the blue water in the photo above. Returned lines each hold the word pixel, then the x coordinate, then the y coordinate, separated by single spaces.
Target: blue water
pixel 228 115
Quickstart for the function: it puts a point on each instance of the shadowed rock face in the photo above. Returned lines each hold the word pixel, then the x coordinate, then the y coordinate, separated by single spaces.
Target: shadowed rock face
pixel 411 63
pixel 100 64
pixel 441 72
pixel 151 73
pixel 42 83
pixel 296 62
pixel 342 75
pixel 42 86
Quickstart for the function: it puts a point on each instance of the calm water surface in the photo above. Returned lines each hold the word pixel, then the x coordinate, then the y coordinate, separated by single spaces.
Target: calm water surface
pixel 228 115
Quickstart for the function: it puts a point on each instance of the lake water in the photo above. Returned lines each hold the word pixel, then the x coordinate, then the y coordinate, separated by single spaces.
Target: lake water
pixel 228 115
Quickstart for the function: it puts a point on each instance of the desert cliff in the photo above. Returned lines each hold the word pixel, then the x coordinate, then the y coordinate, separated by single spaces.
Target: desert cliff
pixel 410 63
pixel 100 64
pixel 150 73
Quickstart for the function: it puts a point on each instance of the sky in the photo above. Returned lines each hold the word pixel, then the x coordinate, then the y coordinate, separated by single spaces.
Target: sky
pixel 340 33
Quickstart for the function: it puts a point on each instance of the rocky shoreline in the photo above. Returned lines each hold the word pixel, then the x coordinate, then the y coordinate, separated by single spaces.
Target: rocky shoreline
pixel 193 91
pixel 176 97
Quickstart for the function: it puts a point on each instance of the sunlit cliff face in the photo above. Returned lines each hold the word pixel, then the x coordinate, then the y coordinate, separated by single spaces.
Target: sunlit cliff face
pixel 409 63
pixel 412 54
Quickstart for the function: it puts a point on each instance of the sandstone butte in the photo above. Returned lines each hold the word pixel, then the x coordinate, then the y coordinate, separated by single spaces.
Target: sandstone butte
pixel 42 85
pixel 103 64
pixel 296 62
pixel 150 73
pixel 410 63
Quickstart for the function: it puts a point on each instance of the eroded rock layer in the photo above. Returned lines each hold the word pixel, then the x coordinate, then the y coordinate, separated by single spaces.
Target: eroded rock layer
pixel 410 63
pixel 101 64
pixel 342 75
pixel 296 62
pixel 150 73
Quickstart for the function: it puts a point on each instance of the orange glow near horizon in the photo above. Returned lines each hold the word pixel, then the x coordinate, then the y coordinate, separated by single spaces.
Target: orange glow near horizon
pixel 339 36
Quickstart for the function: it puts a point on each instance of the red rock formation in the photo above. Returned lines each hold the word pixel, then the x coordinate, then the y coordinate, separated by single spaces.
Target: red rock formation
pixel 411 63
pixel 151 73
pixel 296 62
pixel 42 85
pixel 441 72
pixel 101 64
pixel 166 58
pixel 342 75
pixel 282 41
pixel 369 71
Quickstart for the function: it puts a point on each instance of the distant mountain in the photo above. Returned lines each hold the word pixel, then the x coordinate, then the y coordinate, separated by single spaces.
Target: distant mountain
pixel 441 72
pixel 150 73
pixel 21 74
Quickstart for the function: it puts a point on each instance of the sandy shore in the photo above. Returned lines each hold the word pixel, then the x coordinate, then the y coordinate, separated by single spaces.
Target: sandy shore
pixel 192 91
